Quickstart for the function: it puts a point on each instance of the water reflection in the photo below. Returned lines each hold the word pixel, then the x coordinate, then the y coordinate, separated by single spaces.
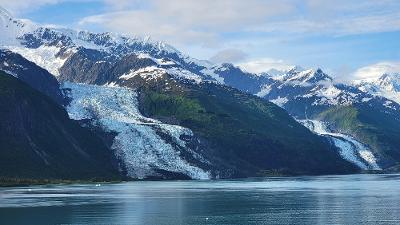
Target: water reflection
pixel 355 199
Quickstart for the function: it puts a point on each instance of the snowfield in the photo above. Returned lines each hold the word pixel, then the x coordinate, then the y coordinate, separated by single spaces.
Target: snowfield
pixel 137 143
pixel 44 56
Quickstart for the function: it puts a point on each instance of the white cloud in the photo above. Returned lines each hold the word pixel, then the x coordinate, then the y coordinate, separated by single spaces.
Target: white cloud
pixel 146 24
pixel 229 56
pixel 189 21
pixel 120 4
pixel 18 6
pixel 264 64
pixel 208 23
pixel 376 70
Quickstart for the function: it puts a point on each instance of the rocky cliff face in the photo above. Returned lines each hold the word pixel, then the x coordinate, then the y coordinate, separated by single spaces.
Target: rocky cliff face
pixel 39 141
pixel 28 72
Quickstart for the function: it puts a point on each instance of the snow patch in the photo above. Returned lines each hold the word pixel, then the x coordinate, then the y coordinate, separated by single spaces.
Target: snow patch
pixel 147 73
pixel 44 56
pixel 329 92
pixel 264 91
pixel 366 99
pixel 160 62
pixel 211 73
pixel 185 74
pixel 389 104
pixel 279 101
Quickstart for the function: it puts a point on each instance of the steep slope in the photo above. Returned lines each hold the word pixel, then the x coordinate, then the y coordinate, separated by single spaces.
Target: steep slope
pixel 31 74
pixel 233 76
pixel 114 61
pixel 144 147
pixel 349 148
pixel 248 134
pixel 39 141
pixel 198 130
pixel 12 28
pixel 379 130
pixel 152 76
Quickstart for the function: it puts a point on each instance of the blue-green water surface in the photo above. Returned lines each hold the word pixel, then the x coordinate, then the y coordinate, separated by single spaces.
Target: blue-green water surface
pixel 351 199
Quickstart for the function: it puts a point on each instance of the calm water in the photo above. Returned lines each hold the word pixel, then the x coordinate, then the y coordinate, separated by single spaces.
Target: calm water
pixel 355 199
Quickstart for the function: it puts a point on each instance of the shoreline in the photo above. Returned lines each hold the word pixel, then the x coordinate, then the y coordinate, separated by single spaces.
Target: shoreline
pixel 16 182
pixel 19 182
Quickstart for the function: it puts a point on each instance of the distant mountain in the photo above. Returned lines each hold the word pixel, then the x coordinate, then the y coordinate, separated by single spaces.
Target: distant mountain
pixel 307 93
pixel 39 141
pixel 387 85
pixel 313 95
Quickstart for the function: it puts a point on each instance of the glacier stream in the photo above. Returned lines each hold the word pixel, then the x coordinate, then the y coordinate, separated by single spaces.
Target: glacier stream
pixel 349 148
pixel 137 144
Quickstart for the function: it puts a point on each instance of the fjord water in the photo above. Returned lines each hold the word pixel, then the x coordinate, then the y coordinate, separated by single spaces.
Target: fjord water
pixel 352 199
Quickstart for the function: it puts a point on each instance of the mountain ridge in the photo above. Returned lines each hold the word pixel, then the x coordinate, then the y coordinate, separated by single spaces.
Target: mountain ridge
pixel 159 77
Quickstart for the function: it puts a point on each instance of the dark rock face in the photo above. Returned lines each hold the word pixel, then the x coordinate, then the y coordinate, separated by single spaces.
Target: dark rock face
pixel 39 141
pixel 86 66
pixel 31 74
pixel 45 36
pixel 235 77
pixel 96 67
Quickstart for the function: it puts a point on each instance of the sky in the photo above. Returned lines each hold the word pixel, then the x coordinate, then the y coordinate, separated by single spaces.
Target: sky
pixel 346 38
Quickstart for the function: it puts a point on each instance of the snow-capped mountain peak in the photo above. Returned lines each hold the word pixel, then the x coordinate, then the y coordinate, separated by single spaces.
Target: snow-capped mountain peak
pixel 391 81
pixel 309 76
pixel 51 47
pixel 12 28
pixel 272 73
pixel 387 85
pixel 294 69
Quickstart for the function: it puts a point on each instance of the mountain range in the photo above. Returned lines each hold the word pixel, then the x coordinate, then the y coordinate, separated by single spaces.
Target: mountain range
pixel 113 105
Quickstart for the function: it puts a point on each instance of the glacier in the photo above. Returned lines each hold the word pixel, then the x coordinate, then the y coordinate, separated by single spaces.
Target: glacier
pixel 137 144
pixel 349 148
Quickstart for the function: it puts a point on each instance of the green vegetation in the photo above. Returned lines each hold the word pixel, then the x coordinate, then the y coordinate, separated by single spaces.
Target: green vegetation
pixel 377 129
pixel 253 136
